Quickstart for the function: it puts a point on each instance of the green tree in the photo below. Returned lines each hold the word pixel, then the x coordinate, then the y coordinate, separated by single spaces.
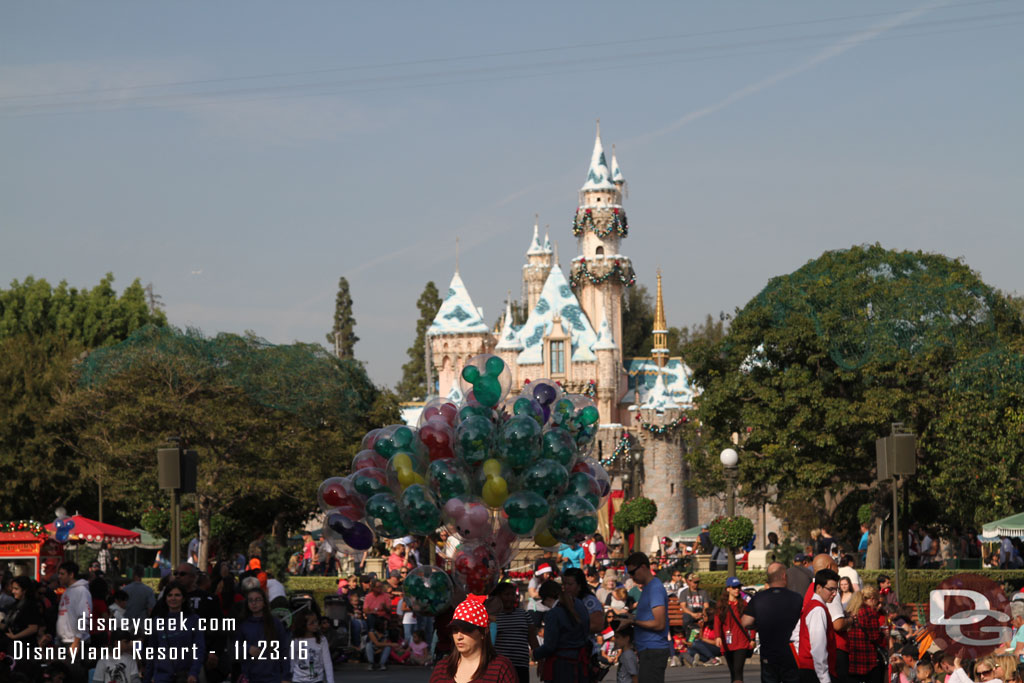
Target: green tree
pixel 269 422
pixel 637 322
pixel 711 330
pixel 91 317
pixel 342 337
pixel 819 364
pixel 413 384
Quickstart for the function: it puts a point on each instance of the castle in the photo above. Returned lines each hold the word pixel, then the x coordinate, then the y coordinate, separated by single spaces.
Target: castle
pixel 573 335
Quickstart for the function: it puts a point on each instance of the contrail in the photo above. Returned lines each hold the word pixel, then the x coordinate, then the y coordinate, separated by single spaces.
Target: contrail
pixel 826 54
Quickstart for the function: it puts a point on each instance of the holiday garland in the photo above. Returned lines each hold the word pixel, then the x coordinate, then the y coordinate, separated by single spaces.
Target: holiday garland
pixel 584 220
pixel 621 450
pixel 591 389
pixel 31 526
pixel 625 275
pixel 661 430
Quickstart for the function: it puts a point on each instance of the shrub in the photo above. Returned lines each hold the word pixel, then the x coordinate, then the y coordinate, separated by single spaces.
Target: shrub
pixel 637 512
pixel 731 532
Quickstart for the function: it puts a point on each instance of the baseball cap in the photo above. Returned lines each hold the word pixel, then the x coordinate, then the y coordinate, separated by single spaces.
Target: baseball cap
pixel 733 582
pixel 799 557
pixel 471 612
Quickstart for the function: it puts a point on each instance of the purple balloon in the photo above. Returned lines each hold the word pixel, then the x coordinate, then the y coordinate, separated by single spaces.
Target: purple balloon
pixel 544 393
pixel 358 536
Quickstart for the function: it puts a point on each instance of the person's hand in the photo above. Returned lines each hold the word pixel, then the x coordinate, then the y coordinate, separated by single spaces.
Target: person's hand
pixel 718 644
pixel 9 634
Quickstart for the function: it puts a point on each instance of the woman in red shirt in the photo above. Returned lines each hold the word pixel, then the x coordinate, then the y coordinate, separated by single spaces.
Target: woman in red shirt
pixel 865 637
pixel 474 659
pixel 735 642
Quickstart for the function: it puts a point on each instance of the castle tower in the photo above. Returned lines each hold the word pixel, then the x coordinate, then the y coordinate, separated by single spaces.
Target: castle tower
pixel 660 350
pixel 539 258
pixel 600 273
pixel 609 370
pixel 509 344
pixel 457 333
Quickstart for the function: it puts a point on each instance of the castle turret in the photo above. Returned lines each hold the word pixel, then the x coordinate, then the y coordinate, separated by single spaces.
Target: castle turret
pixel 609 369
pixel 509 345
pixel 660 350
pixel 539 258
pixel 457 333
pixel 601 272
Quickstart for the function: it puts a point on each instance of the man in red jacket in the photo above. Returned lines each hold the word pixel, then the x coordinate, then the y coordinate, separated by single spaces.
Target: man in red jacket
pixel 816 638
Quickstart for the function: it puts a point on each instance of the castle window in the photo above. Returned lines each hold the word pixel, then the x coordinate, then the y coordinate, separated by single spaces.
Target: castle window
pixel 599 251
pixel 672 489
pixel 558 358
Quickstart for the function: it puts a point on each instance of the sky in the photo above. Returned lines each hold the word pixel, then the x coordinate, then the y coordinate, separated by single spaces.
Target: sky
pixel 242 156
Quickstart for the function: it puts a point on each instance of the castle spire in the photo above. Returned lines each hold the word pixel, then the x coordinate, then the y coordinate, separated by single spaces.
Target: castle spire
pixel 598 176
pixel 660 350
pixel 617 176
pixel 536 247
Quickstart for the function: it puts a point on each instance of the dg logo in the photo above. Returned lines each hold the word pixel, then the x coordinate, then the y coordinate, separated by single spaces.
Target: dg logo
pixel 969 615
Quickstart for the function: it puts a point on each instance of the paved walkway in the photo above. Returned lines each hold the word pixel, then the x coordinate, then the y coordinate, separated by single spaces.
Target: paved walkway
pixel 408 674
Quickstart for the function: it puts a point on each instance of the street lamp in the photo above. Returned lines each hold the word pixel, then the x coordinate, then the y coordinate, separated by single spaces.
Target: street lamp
pixel 730 459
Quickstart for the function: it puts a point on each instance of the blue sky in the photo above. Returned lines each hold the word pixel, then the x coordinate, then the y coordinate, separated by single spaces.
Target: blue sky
pixel 241 156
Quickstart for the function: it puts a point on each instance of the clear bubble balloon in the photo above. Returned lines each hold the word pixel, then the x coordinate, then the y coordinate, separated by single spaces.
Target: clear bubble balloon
pixel 428 590
pixel 347 536
pixel 520 442
pixel 487 377
pixel 545 477
pixel 544 391
pixel 468 518
pixel 438 438
pixel 475 440
pixel 475 568
pixel 395 438
pixel 369 481
pixel 572 519
pixel 503 542
pixel 448 478
pixel 585 486
pixel 405 469
pixel 558 444
pixel 420 513
pixel 523 405
pixel 339 494
pixel 368 458
pixel 595 469
pixel 384 516
pixel 369 439
pixel 438 407
pixel 525 510
pixel 493 480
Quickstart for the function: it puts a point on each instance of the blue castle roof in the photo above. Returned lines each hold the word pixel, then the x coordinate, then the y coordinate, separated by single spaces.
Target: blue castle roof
pixel 556 297
pixel 458 314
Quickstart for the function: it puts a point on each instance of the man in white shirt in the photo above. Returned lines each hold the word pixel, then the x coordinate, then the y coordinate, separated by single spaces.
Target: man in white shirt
pixel 814 636
pixel 74 612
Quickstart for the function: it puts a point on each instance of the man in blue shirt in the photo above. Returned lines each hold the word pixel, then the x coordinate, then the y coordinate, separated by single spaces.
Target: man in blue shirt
pixel 572 556
pixel 650 621
pixel 862 547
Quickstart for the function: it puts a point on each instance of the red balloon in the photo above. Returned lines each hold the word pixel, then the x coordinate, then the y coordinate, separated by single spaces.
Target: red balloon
pixel 437 436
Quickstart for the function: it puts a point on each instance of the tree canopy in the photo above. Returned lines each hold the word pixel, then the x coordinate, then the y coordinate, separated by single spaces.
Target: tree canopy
pixel 413 384
pixel 817 366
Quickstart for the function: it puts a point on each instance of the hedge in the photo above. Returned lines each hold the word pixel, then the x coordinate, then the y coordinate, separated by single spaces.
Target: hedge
pixel 915 585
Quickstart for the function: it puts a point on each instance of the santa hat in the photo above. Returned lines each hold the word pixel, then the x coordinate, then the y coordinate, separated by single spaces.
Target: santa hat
pixel 471 612
pixel 607 633
pixel 545 568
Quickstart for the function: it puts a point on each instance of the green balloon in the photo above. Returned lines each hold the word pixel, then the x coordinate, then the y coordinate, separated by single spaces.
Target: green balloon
pixel 559 445
pixel 487 391
pixel 448 478
pixel 589 415
pixel 520 442
pixel 471 373
pixel 402 437
pixel 545 478
pixel 521 525
pixel 474 440
pixel 383 513
pixel 562 411
pixel 494 366
pixel 419 513
pixel 385 447
pixel 469 411
pixel 524 508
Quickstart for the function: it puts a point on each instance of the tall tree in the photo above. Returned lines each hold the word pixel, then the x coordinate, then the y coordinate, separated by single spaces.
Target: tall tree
pixel 711 330
pixel 817 366
pixel 269 422
pixel 342 337
pixel 637 322
pixel 413 384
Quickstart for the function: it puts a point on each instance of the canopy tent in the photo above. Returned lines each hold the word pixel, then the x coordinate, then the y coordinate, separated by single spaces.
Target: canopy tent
pixel 90 531
pixel 690 535
pixel 149 541
pixel 1007 526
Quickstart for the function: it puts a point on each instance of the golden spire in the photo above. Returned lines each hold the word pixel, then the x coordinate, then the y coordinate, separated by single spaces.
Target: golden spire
pixel 660 350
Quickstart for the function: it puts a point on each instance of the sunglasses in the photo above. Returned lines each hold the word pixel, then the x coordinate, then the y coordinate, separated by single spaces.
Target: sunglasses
pixel 633 570
pixel 985 672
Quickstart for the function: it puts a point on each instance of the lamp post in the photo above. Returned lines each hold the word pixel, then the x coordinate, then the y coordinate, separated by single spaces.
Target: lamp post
pixel 730 459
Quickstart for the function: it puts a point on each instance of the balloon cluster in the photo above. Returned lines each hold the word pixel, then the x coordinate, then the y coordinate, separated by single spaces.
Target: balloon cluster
pixel 492 470
pixel 63 525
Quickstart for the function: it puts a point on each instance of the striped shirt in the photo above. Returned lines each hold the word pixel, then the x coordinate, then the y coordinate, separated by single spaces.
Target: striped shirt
pixel 512 639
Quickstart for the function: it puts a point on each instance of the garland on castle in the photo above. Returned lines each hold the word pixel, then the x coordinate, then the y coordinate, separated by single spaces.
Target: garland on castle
pixel 585 221
pixel 625 275
pixel 661 430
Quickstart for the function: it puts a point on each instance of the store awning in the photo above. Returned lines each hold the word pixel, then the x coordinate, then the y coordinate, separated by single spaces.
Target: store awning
pixel 90 531
pixel 1007 526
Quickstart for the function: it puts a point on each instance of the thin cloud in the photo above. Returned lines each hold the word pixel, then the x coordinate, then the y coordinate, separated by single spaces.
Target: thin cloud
pixel 825 55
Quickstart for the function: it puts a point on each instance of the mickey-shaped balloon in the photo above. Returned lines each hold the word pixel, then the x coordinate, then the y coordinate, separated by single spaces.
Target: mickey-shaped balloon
pixel 495 487
pixel 545 477
pixel 385 516
pixel 525 510
pixel 419 511
pixel 489 378
pixel 475 568
pixel 394 438
pixel 467 518
pixel 585 486
pixel 474 440
pixel 428 590
pixel 369 481
pixel 338 494
pixel 558 444
pixel 572 519
pixel 448 478
pixel 442 408
pixel 368 458
pixel 346 535
pixel 520 442
pixel 404 470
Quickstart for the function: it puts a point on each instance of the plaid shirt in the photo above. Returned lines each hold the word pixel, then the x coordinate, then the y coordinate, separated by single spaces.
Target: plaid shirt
pixel 864 635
